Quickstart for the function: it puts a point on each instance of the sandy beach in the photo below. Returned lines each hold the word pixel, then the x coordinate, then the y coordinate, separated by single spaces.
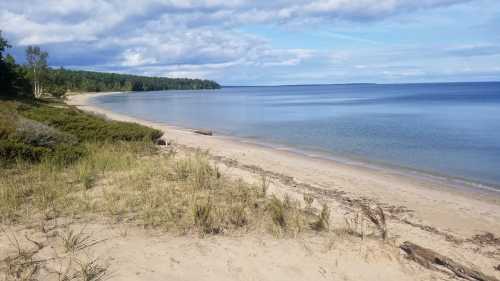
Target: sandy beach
pixel 450 219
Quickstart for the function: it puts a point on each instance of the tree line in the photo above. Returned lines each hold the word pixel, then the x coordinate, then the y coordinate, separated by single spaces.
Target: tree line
pixel 36 78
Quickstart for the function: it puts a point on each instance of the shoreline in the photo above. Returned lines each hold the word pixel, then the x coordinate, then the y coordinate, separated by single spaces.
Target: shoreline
pixel 433 177
pixel 431 203
pixel 453 182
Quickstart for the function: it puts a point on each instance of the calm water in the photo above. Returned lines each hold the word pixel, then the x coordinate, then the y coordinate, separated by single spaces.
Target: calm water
pixel 447 129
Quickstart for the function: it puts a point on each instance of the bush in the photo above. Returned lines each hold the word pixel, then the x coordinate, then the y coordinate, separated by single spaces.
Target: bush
pixel 34 131
pixel 57 92
pixel 37 134
pixel 88 127
pixel 11 150
pixel 66 154
pixel 28 140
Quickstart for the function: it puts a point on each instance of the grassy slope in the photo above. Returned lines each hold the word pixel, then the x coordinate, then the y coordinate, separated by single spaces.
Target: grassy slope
pixel 71 152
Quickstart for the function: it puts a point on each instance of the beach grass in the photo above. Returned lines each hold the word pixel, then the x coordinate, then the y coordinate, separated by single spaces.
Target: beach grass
pixel 132 181
pixel 92 166
pixel 120 173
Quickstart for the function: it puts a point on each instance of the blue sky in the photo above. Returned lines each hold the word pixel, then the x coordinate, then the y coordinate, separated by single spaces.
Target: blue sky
pixel 239 42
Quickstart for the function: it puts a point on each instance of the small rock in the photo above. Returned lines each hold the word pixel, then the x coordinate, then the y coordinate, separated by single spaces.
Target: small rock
pixel 497 267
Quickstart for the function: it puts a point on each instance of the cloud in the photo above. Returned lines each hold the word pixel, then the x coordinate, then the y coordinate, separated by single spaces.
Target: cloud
pixel 52 21
pixel 194 37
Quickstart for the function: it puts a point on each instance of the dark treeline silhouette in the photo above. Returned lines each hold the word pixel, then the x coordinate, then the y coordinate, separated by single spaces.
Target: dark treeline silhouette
pixel 13 77
pixel 61 80
pixel 36 78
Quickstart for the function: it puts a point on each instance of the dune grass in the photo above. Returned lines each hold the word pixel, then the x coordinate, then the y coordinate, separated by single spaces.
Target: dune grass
pixel 90 166
pixel 130 181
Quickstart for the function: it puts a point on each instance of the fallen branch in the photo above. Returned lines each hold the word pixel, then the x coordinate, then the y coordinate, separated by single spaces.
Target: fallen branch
pixel 204 132
pixel 430 259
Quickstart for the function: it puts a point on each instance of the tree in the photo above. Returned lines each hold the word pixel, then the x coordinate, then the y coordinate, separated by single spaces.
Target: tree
pixel 13 81
pixel 37 63
pixel 5 87
pixel 3 46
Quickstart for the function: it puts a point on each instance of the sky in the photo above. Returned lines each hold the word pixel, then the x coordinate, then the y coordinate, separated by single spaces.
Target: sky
pixel 271 42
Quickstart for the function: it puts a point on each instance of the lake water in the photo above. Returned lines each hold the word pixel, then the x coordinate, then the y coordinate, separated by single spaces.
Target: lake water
pixel 449 129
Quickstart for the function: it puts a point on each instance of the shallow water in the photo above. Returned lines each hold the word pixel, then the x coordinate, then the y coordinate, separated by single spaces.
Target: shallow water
pixel 451 129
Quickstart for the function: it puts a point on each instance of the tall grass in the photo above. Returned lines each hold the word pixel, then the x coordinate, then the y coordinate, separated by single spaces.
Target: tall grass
pixel 131 181
pixel 183 194
pixel 124 177
pixel 49 187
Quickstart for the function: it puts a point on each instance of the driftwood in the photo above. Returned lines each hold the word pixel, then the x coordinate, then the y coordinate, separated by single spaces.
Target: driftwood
pixel 161 142
pixel 430 259
pixel 204 132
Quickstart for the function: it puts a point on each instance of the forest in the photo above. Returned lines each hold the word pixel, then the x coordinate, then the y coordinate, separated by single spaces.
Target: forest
pixel 87 81
pixel 36 78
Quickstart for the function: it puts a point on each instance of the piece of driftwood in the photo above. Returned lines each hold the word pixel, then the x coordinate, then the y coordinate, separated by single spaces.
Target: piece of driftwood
pixel 204 132
pixel 161 142
pixel 430 259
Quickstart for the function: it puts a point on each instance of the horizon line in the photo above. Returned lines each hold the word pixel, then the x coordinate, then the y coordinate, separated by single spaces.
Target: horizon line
pixel 363 83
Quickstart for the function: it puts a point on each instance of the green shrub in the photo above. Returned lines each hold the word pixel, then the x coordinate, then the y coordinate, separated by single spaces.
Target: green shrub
pixel 37 134
pixel 11 150
pixel 66 154
pixel 34 131
pixel 88 127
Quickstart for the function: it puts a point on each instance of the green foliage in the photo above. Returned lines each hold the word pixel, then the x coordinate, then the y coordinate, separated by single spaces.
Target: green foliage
pixel 58 81
pixel 36 131
pixel 36 78
pixel 11 150
pixel 88 127
pixel 64 154
pixel 37 134
pixel 13 82
pixel 3 44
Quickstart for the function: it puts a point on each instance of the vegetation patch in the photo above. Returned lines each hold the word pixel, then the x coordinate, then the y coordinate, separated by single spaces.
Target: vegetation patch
pixel 87 127
pixel 34 131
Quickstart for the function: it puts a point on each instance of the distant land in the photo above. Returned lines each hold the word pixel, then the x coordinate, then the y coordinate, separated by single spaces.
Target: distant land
pixel 90 81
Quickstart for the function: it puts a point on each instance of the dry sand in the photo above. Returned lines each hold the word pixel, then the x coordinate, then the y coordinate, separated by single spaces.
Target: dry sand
pixel 432 214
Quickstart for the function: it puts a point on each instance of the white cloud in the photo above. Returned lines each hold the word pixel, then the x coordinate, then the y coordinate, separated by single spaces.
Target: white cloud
pixel 136 58
pixel 188 37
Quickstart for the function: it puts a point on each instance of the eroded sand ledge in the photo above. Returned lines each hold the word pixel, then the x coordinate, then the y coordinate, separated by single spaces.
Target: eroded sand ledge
pixel 424 212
